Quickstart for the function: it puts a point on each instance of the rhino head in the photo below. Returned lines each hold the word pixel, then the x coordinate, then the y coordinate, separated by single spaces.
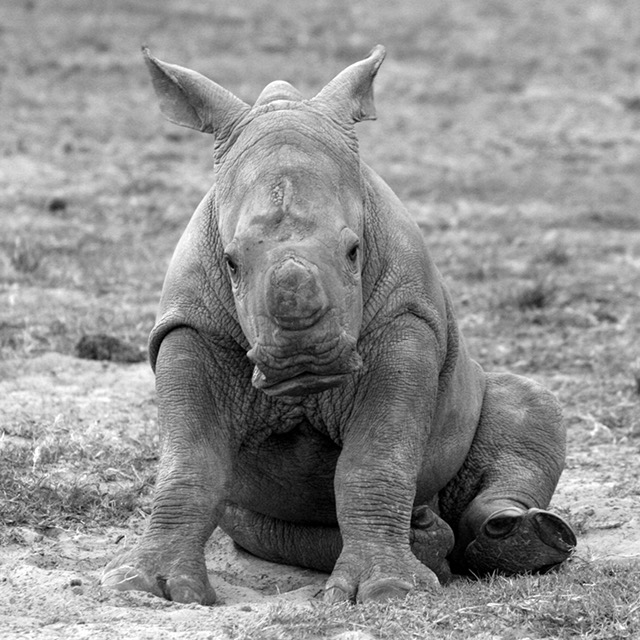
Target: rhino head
pixel 290 206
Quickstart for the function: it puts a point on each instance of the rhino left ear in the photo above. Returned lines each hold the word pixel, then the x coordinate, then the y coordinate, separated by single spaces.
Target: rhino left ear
pixel 191 100
pixel 349 96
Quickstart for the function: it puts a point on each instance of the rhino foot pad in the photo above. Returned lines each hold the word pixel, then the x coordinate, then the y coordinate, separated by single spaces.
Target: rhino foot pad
pixel 513 541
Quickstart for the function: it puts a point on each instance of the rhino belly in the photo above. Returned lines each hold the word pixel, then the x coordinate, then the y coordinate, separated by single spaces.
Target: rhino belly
pixel 289 477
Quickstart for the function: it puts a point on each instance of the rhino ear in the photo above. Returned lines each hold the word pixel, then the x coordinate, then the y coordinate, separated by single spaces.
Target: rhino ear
pixel 349 96
pixel 191 100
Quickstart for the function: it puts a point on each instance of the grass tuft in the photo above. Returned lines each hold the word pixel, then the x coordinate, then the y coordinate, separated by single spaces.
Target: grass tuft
pixel 533 296
pixel 557 255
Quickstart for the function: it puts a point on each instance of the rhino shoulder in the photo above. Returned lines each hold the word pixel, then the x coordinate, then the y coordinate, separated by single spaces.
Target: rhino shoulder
pixel 195 292
pixel 397 249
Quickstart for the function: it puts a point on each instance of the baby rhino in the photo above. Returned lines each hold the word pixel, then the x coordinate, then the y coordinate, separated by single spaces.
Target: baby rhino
pixel 316 398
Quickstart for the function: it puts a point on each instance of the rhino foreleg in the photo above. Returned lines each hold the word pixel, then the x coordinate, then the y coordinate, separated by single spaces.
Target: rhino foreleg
pixel 497 502
pixel 169 560
pixel 374 505
pixel 376 474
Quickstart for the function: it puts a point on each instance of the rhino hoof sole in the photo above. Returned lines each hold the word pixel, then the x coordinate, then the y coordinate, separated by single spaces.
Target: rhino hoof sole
pixel 513 541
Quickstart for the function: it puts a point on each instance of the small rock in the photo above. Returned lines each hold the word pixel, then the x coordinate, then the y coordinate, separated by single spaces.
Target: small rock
pixel 631 103
pixel 57 204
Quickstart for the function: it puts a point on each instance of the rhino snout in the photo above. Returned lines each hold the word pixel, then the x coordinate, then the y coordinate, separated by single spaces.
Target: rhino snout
pixel 295 296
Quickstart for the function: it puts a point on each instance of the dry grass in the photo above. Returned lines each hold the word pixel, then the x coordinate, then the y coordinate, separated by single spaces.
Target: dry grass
pixel 581 602
pixel 53 475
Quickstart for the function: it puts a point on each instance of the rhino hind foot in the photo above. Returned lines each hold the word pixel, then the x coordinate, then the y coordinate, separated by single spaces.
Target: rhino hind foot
pixel 432 540
pixel 512 541
pixel 179 588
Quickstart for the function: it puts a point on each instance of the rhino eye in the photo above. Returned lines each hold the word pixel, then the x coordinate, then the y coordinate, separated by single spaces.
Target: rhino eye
pixel 232 266
pixel 353 253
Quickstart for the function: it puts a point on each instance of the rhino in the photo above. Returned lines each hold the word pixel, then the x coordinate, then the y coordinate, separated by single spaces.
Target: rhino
pixel 316 399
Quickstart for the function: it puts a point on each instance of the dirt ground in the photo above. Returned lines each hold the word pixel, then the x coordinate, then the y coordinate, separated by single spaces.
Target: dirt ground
pixel 49 582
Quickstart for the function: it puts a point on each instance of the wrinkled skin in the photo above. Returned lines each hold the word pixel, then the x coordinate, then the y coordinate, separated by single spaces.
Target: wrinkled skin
pixel 316 399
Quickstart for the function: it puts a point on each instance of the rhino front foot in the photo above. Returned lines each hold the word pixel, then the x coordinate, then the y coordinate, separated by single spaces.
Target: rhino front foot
pixel 514 541
pixel 360 577
pixel 184 582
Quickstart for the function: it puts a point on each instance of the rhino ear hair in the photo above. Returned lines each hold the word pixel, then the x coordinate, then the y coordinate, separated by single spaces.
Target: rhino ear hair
pixel 349 96
pixel 189 99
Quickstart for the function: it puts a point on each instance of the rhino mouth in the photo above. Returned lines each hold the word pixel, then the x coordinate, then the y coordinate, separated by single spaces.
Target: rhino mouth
pixel 284 372
pixel 300 385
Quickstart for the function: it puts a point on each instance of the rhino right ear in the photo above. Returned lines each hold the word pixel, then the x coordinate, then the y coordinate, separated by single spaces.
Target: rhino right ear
pixel 191 100
pixel 349 96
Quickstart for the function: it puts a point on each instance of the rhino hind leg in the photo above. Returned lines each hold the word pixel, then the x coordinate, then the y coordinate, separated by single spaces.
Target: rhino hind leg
pixel 275 540
pixel 318 547
pixel 497 503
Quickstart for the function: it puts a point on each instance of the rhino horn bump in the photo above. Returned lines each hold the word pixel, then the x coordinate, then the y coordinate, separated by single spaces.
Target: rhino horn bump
pixel 191 100
pixel 349 96
pixel 278 90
